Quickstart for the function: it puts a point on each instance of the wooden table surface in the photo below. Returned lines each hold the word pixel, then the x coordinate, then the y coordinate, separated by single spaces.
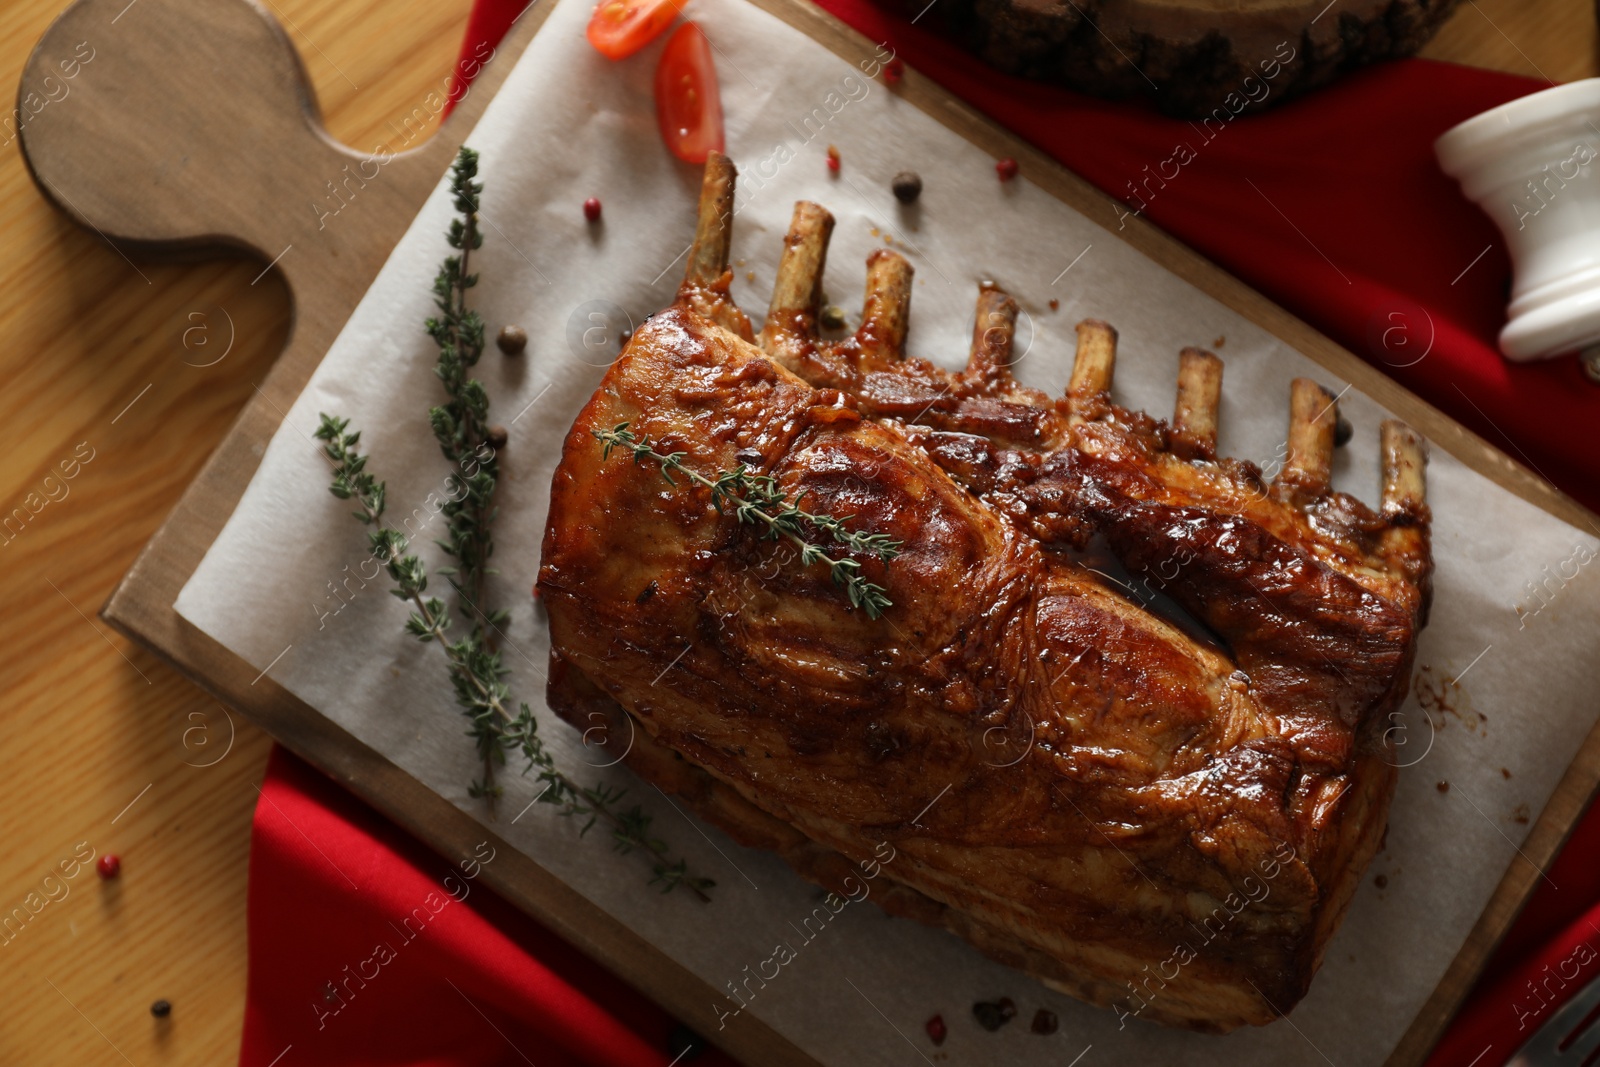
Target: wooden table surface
pixel 117 370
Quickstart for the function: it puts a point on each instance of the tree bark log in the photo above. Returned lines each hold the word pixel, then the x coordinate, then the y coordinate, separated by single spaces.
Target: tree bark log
pixel 1194 57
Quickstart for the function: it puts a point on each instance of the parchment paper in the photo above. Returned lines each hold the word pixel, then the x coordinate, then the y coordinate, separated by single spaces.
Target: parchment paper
pixel 568 125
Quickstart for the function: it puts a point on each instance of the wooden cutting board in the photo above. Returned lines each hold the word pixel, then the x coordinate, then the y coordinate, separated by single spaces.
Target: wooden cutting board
pixel 224 149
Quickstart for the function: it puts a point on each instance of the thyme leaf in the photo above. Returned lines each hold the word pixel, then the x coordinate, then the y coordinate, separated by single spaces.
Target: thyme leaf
pixel 757 499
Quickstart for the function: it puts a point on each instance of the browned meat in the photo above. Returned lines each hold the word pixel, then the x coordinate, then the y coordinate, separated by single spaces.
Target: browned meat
pixel 1165 815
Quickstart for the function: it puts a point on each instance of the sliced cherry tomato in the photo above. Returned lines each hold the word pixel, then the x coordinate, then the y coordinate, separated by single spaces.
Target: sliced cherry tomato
pixel 619 28
pixel 688 107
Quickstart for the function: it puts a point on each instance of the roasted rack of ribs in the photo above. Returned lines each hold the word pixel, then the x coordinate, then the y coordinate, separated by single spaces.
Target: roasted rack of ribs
pixel 1164 812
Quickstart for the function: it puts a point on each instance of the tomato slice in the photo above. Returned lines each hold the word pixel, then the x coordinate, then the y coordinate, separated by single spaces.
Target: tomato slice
pixel 688 107
pixel 619 28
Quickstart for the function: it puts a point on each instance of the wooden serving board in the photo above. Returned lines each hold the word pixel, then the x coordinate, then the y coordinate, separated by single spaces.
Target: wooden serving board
pixel 199 133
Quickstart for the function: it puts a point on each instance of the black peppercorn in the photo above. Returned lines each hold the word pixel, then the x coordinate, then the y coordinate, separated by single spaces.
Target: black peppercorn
pixel 512 340
pixel 907 187
pixel 161 1009
pixel 1045 1022
pixel 1342 432
pixel 497 437
pixel 992 1015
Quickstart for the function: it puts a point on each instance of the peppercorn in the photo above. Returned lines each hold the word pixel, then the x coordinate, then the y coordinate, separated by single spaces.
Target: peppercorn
pixel 1045 1022
pixel 108 866
pixel 497 437
pixel 512 340
pixel 161 1009
pixel 907 187
pixel 993 1014
pixel 936 1028
pixel 1342 432
pixel 1006 168
pixel 832 317
pixel 591 209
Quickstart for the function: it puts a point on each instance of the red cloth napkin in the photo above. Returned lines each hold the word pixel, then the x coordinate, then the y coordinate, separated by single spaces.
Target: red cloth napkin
pixel 366 948
pixel 1333 207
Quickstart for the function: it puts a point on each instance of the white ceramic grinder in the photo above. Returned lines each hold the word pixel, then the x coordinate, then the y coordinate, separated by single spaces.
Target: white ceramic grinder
pixel 1531 164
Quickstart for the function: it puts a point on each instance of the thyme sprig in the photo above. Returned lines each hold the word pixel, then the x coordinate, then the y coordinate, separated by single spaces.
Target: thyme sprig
pixel 461 426
pixel 477 675
pixel 757 499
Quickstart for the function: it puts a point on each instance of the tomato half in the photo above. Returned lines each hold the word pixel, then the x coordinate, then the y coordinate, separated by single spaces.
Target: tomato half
pixel 619 28
pixel 688 107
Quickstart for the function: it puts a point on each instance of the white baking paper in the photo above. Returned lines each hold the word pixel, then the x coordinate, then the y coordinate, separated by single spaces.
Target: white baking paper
pixel 277 586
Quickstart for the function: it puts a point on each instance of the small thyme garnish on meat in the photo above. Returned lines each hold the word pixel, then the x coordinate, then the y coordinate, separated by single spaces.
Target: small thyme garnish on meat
pixel 756 499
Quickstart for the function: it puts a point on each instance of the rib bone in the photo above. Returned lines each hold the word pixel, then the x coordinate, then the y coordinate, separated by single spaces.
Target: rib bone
pixel 708 257
pixel 886 312
pixel 706 281
pixel 1092 369
pixel 1194 422
pixel 1307 472
pixel 1403 461
pixel 993 331
pixel 797 291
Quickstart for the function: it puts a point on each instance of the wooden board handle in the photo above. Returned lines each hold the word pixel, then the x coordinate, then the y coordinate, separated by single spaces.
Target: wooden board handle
pixel 173 126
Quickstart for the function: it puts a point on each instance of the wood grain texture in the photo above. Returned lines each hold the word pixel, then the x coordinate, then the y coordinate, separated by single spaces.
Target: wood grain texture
pixel 93 719
pixel 1193 57
pixel 85 730
pixel 1557 40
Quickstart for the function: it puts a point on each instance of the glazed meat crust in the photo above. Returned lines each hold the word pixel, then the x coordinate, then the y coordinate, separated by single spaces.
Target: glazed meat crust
pixel 1162 815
